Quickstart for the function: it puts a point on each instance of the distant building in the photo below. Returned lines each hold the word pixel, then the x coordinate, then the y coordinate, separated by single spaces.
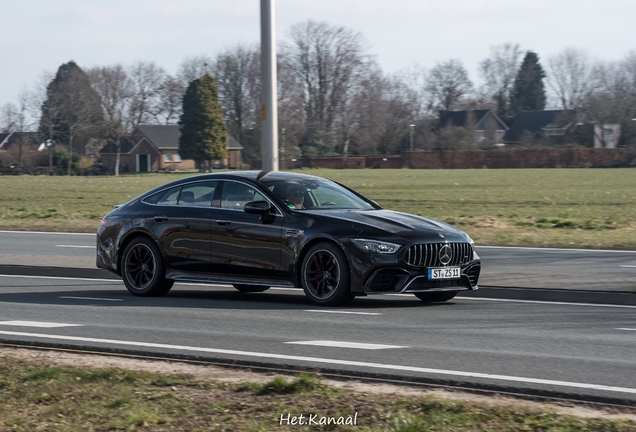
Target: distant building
pixel 151 148
pixel 485 124
pixel 29 140
pixel 550 127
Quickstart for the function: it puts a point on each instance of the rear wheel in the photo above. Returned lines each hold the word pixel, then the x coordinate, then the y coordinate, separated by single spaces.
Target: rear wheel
pixel 143 271
pixel 250 288
pixel 325 275
pixel 436 296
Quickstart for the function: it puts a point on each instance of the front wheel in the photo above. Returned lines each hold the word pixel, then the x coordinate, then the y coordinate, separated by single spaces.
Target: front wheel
pixel 250 288
pixel 325 275
pixel 436 296
pixel 143 270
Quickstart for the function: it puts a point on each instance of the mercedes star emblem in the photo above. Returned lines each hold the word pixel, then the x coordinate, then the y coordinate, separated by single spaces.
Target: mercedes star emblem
pixel 445 254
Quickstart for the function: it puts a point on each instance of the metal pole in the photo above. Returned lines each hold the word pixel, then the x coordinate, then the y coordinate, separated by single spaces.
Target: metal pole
pixel 269 106
pixel 411 141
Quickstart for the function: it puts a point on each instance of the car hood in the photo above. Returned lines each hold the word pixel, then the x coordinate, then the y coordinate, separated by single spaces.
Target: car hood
pixel 396 223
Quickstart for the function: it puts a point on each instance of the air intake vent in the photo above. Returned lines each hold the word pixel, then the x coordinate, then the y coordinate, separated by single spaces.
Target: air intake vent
pixel 428 255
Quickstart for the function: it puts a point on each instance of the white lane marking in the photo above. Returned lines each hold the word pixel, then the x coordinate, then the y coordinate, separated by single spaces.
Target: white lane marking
pixel 628 329
pixel 338 344
pixel 59 277
pixel 546 302
pixel 630 266
pixel 76 246
pixel 45 232
pixel 555 249
pixel 37 324
pixel 329 361
pixel 89 298
pixel 342 312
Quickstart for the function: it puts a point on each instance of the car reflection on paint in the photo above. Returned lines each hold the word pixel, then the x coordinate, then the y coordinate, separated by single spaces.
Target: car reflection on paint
pixel 256 230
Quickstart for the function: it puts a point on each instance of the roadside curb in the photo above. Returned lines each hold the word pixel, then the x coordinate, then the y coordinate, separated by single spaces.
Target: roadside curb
pixel 503 293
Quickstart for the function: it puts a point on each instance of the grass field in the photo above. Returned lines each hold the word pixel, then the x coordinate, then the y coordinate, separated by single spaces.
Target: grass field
pixel 38 396
pixel 588 208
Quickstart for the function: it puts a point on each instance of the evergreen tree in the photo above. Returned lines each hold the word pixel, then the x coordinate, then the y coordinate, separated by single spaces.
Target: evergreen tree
pixel 203 130
pixel 72 111
pixel 528 92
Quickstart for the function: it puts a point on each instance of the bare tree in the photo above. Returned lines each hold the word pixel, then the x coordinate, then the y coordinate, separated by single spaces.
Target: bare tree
pixel 169 102
pixel 569 77
pixel 613 96
pixel 498 73
pixel 114 88
pixel 15 120
pixel 291 110
pixel 147 83
pixel 371 108
pixel 325 61
pixel 447 84
pixel 43 118
pixel 7 118
pixel 235 72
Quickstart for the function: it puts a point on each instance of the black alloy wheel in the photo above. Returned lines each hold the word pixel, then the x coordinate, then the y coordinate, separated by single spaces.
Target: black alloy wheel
pixel 143 271
pixel 439 296
pixel 250 288
pixel 325 275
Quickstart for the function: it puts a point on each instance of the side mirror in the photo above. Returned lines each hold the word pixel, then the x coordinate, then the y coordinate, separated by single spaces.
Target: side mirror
pixel 257 207
pixel 260 207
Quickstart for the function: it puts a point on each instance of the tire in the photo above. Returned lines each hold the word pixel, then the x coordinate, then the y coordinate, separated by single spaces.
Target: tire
pixel 325 275
pixel 143 270
pixel 436 296
pixel 250 288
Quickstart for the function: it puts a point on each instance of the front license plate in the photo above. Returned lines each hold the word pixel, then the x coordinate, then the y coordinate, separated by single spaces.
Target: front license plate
pixel 444 273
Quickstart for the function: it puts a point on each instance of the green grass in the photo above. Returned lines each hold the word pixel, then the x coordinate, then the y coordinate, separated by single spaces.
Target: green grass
pixel 36 396
pixel 530 207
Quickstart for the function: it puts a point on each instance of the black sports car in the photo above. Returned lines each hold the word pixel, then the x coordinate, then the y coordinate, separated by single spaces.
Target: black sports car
pixel 257 230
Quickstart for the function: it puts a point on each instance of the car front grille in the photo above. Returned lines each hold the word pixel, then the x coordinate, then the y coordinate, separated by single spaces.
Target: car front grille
pixel 427 255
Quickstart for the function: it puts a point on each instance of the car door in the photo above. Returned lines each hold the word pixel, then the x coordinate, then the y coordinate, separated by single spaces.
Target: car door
pixel 181 220
pixel 242 244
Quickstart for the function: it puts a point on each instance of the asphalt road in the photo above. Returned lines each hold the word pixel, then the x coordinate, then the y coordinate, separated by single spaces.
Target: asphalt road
pixel 579 351
pixel 576 350
pixel 573 269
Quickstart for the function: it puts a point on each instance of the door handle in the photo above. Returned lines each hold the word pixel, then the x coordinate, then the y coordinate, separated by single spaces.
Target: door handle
pixel 160 218
pixel 223 221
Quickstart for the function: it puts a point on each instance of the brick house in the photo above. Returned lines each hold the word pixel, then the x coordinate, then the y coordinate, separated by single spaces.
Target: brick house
pixel 152 148
pixel 485 124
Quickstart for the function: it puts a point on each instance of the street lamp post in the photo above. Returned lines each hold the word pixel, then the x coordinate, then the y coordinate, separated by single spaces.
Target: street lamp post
pixel 411 140
pixel 269 107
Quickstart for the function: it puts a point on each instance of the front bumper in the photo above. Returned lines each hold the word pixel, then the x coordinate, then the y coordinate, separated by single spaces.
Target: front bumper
pixel 401 280
pixel 390 273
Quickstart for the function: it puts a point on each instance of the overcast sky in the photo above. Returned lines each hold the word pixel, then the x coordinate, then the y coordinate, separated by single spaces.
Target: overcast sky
pixel 40 35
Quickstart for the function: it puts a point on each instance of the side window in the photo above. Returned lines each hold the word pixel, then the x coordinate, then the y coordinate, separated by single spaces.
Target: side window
pixel 198 194
pixel 152 199
pixel 170 197
pixel 236 195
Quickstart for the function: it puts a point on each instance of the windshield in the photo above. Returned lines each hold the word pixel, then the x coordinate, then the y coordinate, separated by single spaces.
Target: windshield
pixel 314 194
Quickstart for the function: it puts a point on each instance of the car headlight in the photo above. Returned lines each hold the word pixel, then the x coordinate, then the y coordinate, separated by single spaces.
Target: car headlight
pixel 374 246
